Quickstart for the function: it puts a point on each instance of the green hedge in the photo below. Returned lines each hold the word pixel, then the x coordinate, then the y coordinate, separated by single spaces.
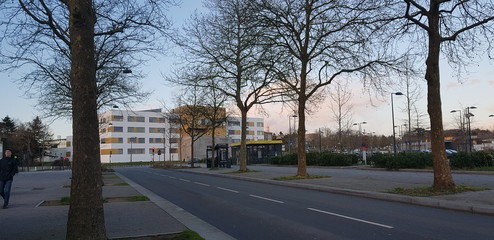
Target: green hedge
pixel 472 160
pixel 402 160
pixel 317 159
pixel 424 160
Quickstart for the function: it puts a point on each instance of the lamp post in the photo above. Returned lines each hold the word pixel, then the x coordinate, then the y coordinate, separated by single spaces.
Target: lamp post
pixel 131 149
pixel 462 126
pixel 393 118
pixel 359 127
pixel 468 115
pixel 290 130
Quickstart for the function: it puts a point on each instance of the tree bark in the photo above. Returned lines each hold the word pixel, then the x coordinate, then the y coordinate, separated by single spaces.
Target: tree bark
pixel 86 216
pixel 442 170
pixel 302 157
pixel 243 143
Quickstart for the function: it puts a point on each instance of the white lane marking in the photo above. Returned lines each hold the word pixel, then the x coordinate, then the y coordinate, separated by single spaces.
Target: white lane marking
pixel 203 184
pixel 351 218
pixel 226 189
pixel 268 199
pixel 172 177
pixel 185 180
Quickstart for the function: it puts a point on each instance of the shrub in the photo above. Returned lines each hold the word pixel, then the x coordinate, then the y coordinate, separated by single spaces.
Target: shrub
pixel 402 160
pixel 317 159
pixel 472 160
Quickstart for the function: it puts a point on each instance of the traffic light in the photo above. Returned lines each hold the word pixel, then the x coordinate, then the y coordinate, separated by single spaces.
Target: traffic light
pixel 159 151
pixel 153 150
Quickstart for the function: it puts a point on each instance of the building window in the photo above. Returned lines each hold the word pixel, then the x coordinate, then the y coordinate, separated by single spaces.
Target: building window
pixel 115 151
pixel 250 124
pixel 174 140
pixel 234 123
pixel 136 129
pixel 68 144
pixel 260 124
pixel 157 120
pixel 135 119
pixel 111 140
pixel 173 150
pixel 136 140
pixel 260 132
pixel 136 151
pixel 156 140
pixel 115 129
pixel 231 132
pixel 116 118
pixel 156 130
pixel 250 132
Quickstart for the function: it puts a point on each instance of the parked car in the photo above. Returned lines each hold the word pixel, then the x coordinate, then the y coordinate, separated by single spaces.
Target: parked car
pixel 451 152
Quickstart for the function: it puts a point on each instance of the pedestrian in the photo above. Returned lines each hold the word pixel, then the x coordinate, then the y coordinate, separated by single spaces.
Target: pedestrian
pixel 8 168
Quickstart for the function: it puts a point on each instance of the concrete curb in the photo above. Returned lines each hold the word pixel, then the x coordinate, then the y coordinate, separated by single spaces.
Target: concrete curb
pixel 206 230
pixel 421 201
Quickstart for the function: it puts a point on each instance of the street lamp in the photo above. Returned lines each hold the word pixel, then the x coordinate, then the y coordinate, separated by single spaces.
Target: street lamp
pixel 462 125
pixel 393 117
pixel 468 115
pixel 290 130
pixel 132 139
pixel 359 127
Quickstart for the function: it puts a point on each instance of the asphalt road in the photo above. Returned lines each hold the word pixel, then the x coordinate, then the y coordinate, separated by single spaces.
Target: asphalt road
pixel 248 210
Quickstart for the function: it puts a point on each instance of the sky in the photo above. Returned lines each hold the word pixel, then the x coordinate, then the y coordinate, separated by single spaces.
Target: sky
pixel 474 89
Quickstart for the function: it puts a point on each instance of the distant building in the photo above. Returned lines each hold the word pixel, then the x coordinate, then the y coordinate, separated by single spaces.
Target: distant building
pixel 135 136
pixel 255 129
pixel 151 135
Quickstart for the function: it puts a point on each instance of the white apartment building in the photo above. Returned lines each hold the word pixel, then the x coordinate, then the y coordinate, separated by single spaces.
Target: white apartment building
pixel 137 136
pixel 131 136
pixel 255 129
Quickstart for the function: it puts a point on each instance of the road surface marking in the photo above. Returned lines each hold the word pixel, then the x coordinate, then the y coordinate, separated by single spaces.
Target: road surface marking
pixel 226 189
pixel 203 184
pixel 185 180
pixel 172 177
pixel 351 218
pixel 269 199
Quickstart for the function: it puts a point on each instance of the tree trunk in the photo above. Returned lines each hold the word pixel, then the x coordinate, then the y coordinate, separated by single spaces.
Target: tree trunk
pixel 86 216
pixel 213 131
pixel 243 142
pixel 302 157
pixel 442 171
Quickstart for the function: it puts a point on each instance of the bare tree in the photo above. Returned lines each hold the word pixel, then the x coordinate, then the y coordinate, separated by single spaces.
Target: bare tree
pixel 341 109
pixel 459 29
pixel 86 216
pixel 215 113
pixel 36 35
pixel 228 46
pixel 326 40
pixel 190 114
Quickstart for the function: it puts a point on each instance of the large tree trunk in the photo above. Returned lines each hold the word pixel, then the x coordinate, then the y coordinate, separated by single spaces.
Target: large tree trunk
pixel 302 157
pixel 243 142
pixel 86 216
pixel 442 171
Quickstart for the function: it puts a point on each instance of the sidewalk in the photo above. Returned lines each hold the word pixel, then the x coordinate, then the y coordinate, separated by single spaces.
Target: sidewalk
pixel 371 183
pixel 28 218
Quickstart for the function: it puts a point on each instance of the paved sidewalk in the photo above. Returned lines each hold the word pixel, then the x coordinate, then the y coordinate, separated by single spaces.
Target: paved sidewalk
pixel 28 218
pixel 371 183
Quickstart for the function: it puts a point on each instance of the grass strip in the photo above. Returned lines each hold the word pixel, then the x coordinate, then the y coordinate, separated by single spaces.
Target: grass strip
pixel 290 178
pixel 430 191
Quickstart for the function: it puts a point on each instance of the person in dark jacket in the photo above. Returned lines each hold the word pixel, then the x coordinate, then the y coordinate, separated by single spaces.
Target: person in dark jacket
pixel 8 168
